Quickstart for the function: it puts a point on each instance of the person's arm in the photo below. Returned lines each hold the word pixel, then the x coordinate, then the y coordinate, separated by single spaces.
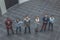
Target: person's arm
pixel 29 22
pixel 10 21
pixel 5 23
pixel 48 19
pixel 24 23
pixel 43 19
pixel 20 22
pixel 54 20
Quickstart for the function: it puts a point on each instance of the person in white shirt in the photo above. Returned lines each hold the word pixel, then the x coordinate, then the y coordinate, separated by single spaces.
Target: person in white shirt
pixel 27 24
pixel 51 22
pixel 36 23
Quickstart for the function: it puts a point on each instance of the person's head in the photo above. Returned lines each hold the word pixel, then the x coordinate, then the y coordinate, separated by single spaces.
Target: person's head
pixel 37 17
pixel 17 19
pixel 8 18
pixel 26 16
pixel 52 16
pixel 46 15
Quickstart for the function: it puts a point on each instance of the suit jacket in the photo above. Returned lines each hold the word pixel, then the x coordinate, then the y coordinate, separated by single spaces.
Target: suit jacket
pixel 45 19
pixel 27 23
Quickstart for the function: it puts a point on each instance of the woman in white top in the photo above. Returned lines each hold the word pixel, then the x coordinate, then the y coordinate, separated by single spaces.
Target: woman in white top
pixel 36 23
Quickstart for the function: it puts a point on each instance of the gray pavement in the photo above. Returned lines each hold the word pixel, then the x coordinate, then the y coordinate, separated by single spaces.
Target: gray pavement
pixel 33 8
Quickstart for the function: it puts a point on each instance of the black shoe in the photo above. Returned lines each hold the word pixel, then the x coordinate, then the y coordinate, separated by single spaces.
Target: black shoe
pixel 8 34
pixel 13 33
pixel 24 32
pixel 29 32
pixel 35 32
pixel 48 29
pixel 51 30
pixel 40 30
pixel 19 30
pixel 44 30
pixel 16 33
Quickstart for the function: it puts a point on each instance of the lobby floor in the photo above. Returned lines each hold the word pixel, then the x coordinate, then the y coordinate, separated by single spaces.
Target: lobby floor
pixel 33 8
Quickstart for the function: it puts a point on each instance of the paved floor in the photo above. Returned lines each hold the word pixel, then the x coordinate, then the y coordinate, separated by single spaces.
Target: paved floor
pixel 33 8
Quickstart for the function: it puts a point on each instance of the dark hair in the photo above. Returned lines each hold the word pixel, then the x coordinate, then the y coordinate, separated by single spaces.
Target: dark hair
pixel 18 18
pixel 52 15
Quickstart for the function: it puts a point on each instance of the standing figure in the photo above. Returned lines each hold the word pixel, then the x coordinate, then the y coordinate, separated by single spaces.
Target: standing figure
pixel 37 23
pixel 51 22
pixel 27 24
pixel 8 24
pixel 18 25
pixel 45 22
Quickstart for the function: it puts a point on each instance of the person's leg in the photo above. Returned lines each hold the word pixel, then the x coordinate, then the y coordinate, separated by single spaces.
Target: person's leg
pixel 7 31
pixel 12 30
pixel 42 27
pixel 20 28
pixel 37 28
pixel 49 26
pixel 45 26
pixel 29 29
pixel 16 30
pixel 25 29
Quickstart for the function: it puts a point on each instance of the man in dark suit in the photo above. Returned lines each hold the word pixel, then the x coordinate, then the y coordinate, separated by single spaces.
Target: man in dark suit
pixel 27 24
pixel 45 22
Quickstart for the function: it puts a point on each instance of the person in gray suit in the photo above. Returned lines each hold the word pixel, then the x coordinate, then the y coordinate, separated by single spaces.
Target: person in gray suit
pixel 27 23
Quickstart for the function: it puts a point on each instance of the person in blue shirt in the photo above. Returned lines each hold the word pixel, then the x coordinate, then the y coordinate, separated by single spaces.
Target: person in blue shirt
pixel 18 24
pixel 51 22
pixel 45 22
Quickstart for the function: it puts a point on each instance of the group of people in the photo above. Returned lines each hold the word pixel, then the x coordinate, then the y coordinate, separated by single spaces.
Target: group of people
pixel 27 22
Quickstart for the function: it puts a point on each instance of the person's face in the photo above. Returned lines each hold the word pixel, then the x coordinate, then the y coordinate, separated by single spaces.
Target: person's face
pixel 52 16
pixel 27 17
pixel 46 15
pixel 7 18
pixel 37 17
pixel 17 20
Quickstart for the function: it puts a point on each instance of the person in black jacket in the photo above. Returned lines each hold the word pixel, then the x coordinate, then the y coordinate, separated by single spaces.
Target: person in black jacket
pixel 27 24
pixel 45 22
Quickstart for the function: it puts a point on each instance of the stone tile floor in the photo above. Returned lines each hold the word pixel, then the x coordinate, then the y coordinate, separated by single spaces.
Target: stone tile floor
pixel 33 8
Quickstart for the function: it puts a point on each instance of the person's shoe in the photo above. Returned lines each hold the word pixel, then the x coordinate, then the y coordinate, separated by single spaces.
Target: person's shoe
pixel 40 30
pixel 19 30
pixel 51 30
pixel 24 32
pixel 16 33
pixel 29 32
pixel 44 30
pixel 35 32
pixel 13 33
pixel 48 29
pixel 8 34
